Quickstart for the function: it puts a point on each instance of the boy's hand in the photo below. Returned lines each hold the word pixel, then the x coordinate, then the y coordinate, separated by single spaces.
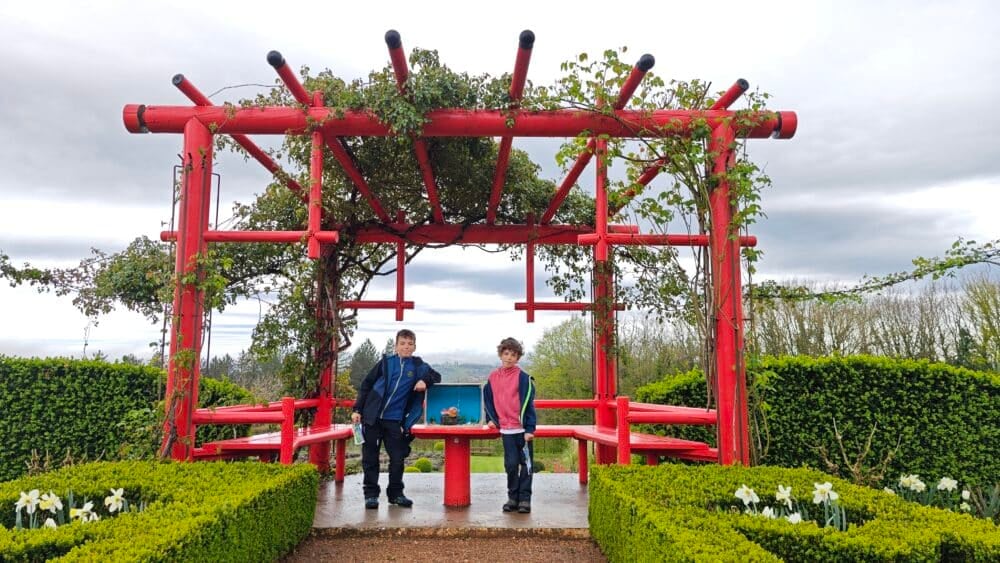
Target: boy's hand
pixel 491 425
pixel 355 417
pixel 528 436
pixel 420 386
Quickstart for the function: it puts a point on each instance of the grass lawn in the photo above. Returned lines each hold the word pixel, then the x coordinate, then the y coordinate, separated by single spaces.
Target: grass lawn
pixel 486 464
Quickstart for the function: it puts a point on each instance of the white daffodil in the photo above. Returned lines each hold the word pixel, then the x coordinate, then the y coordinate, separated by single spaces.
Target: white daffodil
pixel 27 501
pixel 50 502
pixel 906 481
pixel 918 486
pixel 890 491
pixel 966 494
pixel 768 512
pixel 784 495
pixel 823 492
pixel 84 513
pixel 947 484
pixel 794 518
pixel 965 507
pixel 49 523
pixel 115 501
pixel 747 495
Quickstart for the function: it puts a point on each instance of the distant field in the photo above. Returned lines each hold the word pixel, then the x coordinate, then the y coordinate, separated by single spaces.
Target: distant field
pixel 486 464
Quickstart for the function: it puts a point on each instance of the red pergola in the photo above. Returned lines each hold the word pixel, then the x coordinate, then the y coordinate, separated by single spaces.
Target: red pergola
pixel 201 122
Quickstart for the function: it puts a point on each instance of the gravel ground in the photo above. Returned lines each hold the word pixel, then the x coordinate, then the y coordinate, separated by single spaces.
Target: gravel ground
pixel 460 548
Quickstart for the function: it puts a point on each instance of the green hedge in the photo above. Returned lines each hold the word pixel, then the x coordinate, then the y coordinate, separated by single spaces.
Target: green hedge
pixel 196 512
pixel 689 513
pixel 946 419
pixel 57 404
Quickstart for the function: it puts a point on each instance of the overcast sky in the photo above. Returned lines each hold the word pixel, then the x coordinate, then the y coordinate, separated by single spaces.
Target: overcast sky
pixel 895 155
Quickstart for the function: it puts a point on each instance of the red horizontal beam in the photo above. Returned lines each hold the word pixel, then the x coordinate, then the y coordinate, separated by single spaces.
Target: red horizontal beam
pixel 374 304
pixel 657 240
pixel 567 403
pixel 542 306
pixel 279 120
pixel 325 237
pixel 238 417
pixel 702 417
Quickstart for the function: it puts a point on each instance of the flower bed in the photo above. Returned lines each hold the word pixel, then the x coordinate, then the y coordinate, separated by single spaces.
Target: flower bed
pixel 677 512
pixel 192 512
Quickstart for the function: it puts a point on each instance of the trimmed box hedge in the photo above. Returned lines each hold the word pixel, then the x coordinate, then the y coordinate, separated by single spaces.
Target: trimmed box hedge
pixel 196 512
pixel 689 513
pixel 945 419
pixel 60 404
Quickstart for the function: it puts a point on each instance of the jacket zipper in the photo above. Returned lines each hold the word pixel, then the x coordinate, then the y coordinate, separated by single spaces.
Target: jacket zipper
pixel 398 379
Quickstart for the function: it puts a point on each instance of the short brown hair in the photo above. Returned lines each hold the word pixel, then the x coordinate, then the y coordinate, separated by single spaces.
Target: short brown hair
pixel 406 333
pixel 510 344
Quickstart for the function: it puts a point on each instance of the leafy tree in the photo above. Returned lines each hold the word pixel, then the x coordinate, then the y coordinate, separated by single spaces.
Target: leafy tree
pixel 563 369
pixel 362 361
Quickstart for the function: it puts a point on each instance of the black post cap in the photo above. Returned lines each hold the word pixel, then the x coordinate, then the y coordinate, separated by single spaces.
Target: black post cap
pixel 392 39
pixel 275 59
pixel 646 62
pixel 527 39
pixel 177 79
pixel 743 84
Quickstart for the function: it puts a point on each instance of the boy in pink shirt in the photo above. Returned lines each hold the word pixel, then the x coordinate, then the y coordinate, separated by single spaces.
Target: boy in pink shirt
pixel 509 399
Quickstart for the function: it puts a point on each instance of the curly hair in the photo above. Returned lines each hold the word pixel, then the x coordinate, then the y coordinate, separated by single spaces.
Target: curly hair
pixel 510 344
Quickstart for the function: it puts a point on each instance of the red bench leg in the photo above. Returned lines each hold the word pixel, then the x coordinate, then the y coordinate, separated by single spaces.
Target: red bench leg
pixel 581 460
pixel 341 460
pixel 456 472
pixel 652 459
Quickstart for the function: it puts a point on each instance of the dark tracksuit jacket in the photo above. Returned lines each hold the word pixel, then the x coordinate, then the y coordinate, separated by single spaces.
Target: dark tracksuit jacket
pixel 373 395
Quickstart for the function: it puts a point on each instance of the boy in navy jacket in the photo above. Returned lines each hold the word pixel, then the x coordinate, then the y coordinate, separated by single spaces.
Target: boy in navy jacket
pixel 390 400
pixel 509 400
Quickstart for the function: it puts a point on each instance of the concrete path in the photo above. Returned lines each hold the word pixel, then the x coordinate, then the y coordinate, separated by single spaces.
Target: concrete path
pixel 559 505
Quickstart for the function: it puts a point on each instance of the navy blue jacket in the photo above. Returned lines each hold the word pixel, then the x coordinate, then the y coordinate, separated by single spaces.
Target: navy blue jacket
pixel 370 401
pixel 526 396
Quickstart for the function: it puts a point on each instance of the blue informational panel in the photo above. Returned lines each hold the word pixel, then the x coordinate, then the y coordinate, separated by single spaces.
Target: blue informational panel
pixel 465 398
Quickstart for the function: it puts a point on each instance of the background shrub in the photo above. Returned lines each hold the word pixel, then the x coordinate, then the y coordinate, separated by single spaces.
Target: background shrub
pixel 423 465
pixel 946 420
pixel 90 409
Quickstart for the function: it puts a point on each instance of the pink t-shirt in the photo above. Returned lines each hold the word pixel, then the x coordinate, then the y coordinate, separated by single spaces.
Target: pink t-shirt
pixel 506 399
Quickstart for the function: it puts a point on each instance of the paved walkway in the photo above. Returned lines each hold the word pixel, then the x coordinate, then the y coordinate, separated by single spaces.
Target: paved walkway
pixel 559 505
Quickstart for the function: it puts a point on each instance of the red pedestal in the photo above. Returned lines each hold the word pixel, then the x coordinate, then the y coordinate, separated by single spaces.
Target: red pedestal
pixel 456 471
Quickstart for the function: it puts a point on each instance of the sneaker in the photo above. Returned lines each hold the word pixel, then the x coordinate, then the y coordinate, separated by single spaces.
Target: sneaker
pixel 401 501
pixel 524 507
pixel 510 505
pixel 371 502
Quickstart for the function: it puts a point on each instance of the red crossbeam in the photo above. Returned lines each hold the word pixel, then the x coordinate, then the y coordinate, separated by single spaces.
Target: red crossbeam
pixel 400 68
pixel 645 63
pixel 280 120
pixel 526 42
pixel 195 95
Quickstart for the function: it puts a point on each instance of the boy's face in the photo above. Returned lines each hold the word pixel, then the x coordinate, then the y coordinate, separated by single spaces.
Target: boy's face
pixel 509 358
pixel 405 347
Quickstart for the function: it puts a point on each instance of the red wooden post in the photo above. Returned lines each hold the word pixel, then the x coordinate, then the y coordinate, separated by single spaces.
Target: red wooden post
pixel 582 460
pixel 287 430
pixel 624 445
pixel 456 471
pixel 730 379
pixel 185 331
pixel 652 459
pixel 341 460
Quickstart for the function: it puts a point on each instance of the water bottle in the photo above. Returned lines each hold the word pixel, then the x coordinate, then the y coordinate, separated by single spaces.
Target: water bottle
pixel 359 435
pixel 527 456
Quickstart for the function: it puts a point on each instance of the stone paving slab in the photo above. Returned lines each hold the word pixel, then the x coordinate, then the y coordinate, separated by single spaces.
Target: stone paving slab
pixel 559 502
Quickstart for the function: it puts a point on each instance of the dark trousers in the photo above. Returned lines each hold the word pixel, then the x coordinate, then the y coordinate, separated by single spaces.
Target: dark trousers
pixel 390 433
pixel 518 476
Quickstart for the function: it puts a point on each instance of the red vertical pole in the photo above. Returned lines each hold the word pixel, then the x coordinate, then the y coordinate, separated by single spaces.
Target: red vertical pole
pixel 287 430
pixel 341 460
pixel 725 251
pixel 603 311
pixel 400 270
pixel 457 478
pixel 624 446
pixel 316 185
pixel 582 460
pixel 185 330
pixel 529 261
pixel 652 459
